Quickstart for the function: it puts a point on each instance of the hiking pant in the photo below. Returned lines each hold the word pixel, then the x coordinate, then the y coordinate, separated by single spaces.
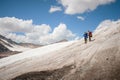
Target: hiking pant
pixel 89 38
pixel 85 40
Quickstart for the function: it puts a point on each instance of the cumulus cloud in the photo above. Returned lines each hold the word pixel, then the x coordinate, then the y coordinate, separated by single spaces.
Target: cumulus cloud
pixel 81 6
pixel 11 27
pixel 54 9
pixel 59 33
pixel 81 18
pixel 17 38
pixel 13 24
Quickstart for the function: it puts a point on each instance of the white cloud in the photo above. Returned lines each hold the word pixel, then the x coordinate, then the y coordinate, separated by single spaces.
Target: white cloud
pixel 13 24
pixel 81 6
pixel 38 34
pixel 59 33
pixel 54 9
pixel 81 18
pixel 17 38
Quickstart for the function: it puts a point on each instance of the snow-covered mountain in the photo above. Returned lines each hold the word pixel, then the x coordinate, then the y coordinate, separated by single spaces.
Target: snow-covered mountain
pixel 30 45
pixel 10 45
pixel 96 60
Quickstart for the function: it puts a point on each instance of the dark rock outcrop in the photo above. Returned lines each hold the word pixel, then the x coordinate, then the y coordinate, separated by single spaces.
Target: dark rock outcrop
pixel 3 48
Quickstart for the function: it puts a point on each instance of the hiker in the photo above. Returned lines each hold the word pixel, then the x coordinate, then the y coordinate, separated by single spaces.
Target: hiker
pixel 89 35
pixel 85 37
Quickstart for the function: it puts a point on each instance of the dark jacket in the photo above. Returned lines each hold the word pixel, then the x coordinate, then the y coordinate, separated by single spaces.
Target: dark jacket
pixel 85 35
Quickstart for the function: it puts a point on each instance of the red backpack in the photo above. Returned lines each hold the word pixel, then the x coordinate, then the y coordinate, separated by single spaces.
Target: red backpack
pixel 90 34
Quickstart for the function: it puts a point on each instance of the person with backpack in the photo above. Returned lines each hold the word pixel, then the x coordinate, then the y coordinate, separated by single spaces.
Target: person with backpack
pixel 85 37
pixel 89 35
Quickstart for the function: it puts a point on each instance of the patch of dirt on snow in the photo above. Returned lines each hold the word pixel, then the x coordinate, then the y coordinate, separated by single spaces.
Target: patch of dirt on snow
pixel 57 74
pixel 8 53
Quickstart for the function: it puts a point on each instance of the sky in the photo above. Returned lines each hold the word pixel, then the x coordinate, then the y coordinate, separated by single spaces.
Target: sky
pixel 49 21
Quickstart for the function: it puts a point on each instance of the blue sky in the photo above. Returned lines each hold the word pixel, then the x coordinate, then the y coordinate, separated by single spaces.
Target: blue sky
pixel 39 12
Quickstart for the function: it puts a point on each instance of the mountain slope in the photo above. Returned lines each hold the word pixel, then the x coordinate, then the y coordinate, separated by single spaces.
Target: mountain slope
pixel 11 45
pixel 96 60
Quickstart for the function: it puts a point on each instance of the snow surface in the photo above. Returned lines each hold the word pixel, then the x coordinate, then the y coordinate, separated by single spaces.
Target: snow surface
pixel 34 52
pixel 60 54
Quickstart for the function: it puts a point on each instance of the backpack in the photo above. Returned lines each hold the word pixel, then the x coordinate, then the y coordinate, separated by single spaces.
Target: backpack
pixel 90 34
